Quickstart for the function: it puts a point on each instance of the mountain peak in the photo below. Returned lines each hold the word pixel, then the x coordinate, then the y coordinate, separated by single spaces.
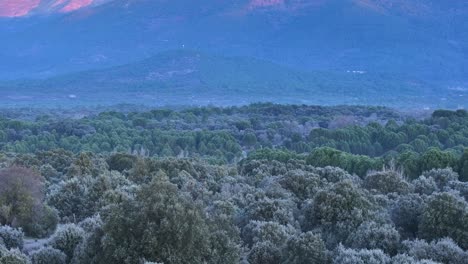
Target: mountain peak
pixel 21 8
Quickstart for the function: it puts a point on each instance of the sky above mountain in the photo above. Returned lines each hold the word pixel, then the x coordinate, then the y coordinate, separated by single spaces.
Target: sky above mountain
pixel 21 8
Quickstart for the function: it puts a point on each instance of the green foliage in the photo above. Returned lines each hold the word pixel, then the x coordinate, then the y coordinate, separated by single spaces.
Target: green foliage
pixel 48 256
pixel 446 215
pixel 66 238
pixel 443 251
pixel 307 248
pixel 358 164
pixel 436 159
pixel 368 179
pixel 272 154
pixel 363 256
pixel 166 227
pixel 463 166
pixel 13 256
pixel 264 253
pixel 90 249
pixel 339 209
pixel 121 162
pixel 386 182
pixel 21 201
pixel 441 177
pixel 406 213
pixel 371 235
pixel 11 238
pixel 71 198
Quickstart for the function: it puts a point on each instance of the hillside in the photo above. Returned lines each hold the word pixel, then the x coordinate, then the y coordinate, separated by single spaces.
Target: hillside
pixel 189 77
pixel 423 39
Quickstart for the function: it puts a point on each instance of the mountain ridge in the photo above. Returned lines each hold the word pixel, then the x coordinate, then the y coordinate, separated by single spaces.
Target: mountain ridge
pixel 179 76
pixel 327 35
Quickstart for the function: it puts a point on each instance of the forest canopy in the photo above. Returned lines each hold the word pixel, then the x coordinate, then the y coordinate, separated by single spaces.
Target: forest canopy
pixel 256 184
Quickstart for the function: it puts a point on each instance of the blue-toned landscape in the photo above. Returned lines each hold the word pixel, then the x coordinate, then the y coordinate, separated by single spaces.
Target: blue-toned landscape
pixel 233 131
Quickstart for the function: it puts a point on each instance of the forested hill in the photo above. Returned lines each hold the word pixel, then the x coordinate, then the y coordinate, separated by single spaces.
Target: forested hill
pixel 190 77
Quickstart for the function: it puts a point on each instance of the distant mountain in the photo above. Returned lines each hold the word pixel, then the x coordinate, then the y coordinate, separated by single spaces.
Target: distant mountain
pixel 186 77
pixel 422 39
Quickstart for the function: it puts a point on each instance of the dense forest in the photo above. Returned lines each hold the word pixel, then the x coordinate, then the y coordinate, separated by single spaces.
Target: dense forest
pixel 257 184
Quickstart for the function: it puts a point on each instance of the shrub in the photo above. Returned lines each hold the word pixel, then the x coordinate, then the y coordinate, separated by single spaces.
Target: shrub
pixel 121 162
pixel 163 225
pixel 386 182
pixel 364 256
pixel 338 209
pixel 264 253
pixel 405 259
pixel 307 248
pixel 91 223
pixel 13 256
pixel 371 235
pixel 90 249
pixel 11 237
pixel 67 238
pixel 446 215
pixel 442 176
pixel 301 183
pixel 425 185
pixel 444 251
pixel 21 197
pixel 48 255
pixel 258 231
pixel 71 198
pixel 406 212
pixel 45 223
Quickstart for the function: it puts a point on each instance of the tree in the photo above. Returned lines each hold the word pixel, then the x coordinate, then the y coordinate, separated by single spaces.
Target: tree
pixel 66 239
pixel 90 249
pixel 249 140
pixel 386 182
pixel 301 183
pixel 442 177
pixel 267 209
pixel 121 162
pixel 165 227
pixel 264 253
pixel 443 251
pixel 323 157
pixel 424 185
pixel 307 248
pixel 338 209
pixel 405 259
pixel 21 200
pixel 463 166
pixel 436 159
pixel 71 198
pixel 363 256
pixel 11 238
pixel 405 214
pixel 370 235
pixel 446 215
pixel 409 160
pixel 13 256
pixel 258 231
pixel 48 255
